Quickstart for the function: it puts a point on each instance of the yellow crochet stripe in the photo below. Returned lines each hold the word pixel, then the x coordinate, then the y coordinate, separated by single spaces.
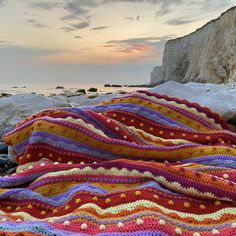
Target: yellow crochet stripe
pixel 155 138
pixel 186 108
pixel 164 110
pixel 82 123
pixel 3 190
pixel 174 186
pixel 56 189
pixel 59 187
pixel 139 203
pixel 124 149
pixel 149 205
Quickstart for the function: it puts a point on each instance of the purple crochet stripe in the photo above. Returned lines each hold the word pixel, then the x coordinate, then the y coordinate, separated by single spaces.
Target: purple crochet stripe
pixel 194 105
pixel 20 147
pixel 54 201
pixel 55 142
pixel 115 141
pixel 209 158
pixel 105 108
pixel 180 110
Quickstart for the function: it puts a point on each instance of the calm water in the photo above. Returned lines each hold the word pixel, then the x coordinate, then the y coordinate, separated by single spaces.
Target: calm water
pixel 48 89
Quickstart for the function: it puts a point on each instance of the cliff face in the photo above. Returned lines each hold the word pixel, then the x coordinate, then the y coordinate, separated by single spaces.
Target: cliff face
pixel 208 55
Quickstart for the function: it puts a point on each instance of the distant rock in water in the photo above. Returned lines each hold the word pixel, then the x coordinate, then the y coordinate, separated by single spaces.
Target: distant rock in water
pixel 113 85
pixel 68 93
pixel 207 55
pixel 60 87
pixel 5 95
pixel 92 90
pixel 81 91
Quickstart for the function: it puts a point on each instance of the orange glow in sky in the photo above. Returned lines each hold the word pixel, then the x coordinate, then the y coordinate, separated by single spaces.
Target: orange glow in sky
pixel 37 36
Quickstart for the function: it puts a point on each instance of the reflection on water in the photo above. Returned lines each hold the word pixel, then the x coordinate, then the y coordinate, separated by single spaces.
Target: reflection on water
pixel 47 89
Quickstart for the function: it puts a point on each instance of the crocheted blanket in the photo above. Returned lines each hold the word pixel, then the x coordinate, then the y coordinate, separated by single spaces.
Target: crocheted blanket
pixel 142 164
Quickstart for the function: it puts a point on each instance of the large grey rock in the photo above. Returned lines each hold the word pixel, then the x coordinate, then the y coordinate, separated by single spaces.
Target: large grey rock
pixel 219 98
pixel 17 107
pixel 85 100
pixel 207 55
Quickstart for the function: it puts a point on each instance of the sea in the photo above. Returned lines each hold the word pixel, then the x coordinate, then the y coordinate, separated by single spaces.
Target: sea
pixel 50 89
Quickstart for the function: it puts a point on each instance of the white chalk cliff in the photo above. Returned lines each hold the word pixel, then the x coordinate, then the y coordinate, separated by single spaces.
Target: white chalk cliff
pixel 207 55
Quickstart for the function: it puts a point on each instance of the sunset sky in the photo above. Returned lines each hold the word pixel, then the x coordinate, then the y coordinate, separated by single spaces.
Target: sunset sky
pixel 93 41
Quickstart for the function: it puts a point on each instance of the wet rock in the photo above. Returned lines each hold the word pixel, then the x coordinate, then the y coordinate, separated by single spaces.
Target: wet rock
pixel 232 122
pixel 4 159
pixel 68 93
pixel 116 85
pixel 5 95
pixel 93 90
pixel 52 94
pixel 11 171
pixel 92 96
pixel 60 87
pixel 3 148
pixel 3 131
pixel 107 85
pixel 6 165
pixel 81 91
pixel 84 100
pixel 121 92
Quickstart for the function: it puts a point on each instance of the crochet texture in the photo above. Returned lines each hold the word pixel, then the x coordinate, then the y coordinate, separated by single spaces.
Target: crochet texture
pixel 142 164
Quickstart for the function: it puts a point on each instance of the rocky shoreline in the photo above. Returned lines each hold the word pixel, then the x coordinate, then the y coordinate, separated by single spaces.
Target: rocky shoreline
pixel 219 98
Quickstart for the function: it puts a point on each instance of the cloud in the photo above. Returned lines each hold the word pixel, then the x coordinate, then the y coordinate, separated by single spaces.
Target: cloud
pixel 212 5
pixel 86 48
pixel 80 10
pixel 129 18
pixel 36 23
pixel 75 26
pixel 5 42
pixel 20 54
pixel 179 21
pixel 77 14
pixel 143 1
pixel 46 5
pixel 137 45
pixel 2 2
pixel 100 28
pixel 163 11
pixel 140 40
